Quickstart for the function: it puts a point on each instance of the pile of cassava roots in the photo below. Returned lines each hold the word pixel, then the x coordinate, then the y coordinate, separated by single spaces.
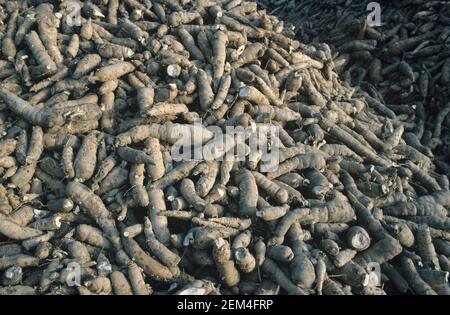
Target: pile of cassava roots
pixel 97 96
pixel 404 61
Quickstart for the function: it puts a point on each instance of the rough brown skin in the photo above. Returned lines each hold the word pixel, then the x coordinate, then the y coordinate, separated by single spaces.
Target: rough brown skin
pixel 22 216
pixel 78 251
pixel 86 158
pixel 350 186
pixel 250 53
pixel 159 223
pixel 395 276
pixel 271 188
pixel 39 117
pixel 189 43
pixel 153 150
pixel 224 263
pixel 23 175
pixel 145 97
pixel 219 43
pixel 421 206
pixel 93 236
pixel 175 175
pixel 48 32
pixel 136 179
pixel 7 147
pixel 18 290
pixel 39 52
pixel 134 156
pixel 87 64
pixel 425 247
pixel 187 190
pixel 330 247
pixel 352 274
pixel 164 254
pixel 151 267
pixel 120 283
pixel 206 94
pixel 367 219
pixel 67 160
pixel 35 146
pixel 248 193
pixel 132 231
pixel 111 72
pixel 352 143
pixel 252 94
pixel 5 207
pixel 242 240
pixel 285 224
pixel 85 198
pixel 280 253
pixel 272 213
pixel 222 92
pixel 208 172
pixel 8 47
pixel 382 251
pixel 437 279
pixel 115 179
pixel 137 281
pixel 417 284
pixel 168 109
pixel 103 170
pixel 270 268
pixel 99 285
pixel 20 260
pixel 170 132
pixel 305 161
pixel 301 267
pixel 73 47
pixel 335 211
pixel 403 234
pixel 33 243
pixel 14 231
